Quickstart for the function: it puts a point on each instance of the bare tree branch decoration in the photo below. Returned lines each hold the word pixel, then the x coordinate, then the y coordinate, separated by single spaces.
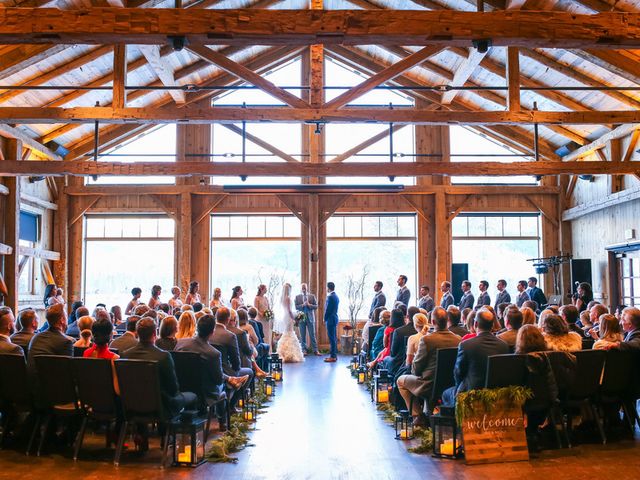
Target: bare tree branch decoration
pixel 355 294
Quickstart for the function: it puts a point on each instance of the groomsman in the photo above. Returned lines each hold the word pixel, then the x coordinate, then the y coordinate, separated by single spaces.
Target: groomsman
pixel 483 298
pixel 331 320
pixel 503 296
pixel 536 294
pixel 308 304
pixel 379 299
pixel 447 297
pixel 425 301
pixel 404 295
pixel 467 297
pixel 522 295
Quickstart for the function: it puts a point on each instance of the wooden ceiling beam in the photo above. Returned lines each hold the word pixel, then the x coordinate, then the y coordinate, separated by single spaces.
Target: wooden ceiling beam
pixel 463 73
pixel 596 145
pixel 366 144
pixel 119 95
pixel 530 29
pixel 614 62
pixel 8 131
pixel 308 169
pixel 163 70
pixel 24 56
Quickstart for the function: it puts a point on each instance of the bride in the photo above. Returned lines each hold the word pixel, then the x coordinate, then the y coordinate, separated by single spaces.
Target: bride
pixel 288 346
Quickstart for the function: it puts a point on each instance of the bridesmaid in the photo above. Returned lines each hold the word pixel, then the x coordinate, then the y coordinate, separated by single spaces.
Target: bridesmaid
pixel 174 301
pixel 193 296
pixel 262 305
pixel 154 301
pixel 236 297
pixel 136 292
pixel 216 301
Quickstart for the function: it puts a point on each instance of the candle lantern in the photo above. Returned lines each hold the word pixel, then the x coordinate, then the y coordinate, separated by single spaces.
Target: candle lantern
pixel 354 345
pixel 242 401
pixel 275 362
pixel 277 373
pixel 353 365
pixel 269 386
pixel 445 434
pixel 362 374
pixel 404 425
pixel 381 386
pixel 249 411
pixel 188 442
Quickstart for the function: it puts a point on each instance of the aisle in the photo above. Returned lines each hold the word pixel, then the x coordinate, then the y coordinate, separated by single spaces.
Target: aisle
pixel 323 425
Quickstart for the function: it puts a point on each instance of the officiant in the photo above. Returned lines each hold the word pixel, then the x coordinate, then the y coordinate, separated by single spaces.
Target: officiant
pixel 307 304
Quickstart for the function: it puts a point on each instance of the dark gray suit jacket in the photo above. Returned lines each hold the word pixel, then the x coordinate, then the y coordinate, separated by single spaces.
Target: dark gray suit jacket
pixel 379 300
pixel 471 364
pixel 466 302
pixel 483 299
pixel 423 368
pixel 447 300
pixel 426 302
pixel 22 338
pixel 124 342
pixel 502 297
pixel 631 341
pixel 244 347
pixel 49 342
pixel 214 377
pixel 403 296
pixel 231 354
pixel 6 346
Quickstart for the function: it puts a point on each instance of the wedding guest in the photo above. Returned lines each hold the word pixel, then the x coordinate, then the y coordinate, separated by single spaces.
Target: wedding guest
pixel 503 296
pixel 558 337
pixel 466 301
pixel 570 315
pixel 584 295
pixel 404 295
pixel 425 301
pixel 7 328
pixel 532 305
pixel 261 303
pixel 483 298
pixel 397 321
pixel 50 342
pixel 261 347
pixel 116 315
pixel 84 325
pixel 594 316
pixel 453 321
pixel 528 316
pixel 168 331
pixel 447 296
pixel 530 339
pixel 513 322
pixel 27 325
pixel 247 353
pixel 102 332
pixel 307 303
pixel 374 320
pixel 141 309
pixel 136 293
pixel 379 298
pixel 631 326
pixel 194 294
pixel 398 351
pixel 186 325
pixel 49 295
pixel 174 301
pixel 535 293
pixel 236 296
pixel 421 326
pixel 154 301
pixel 543 317
pixel 377 345
pixel 198 307
pixel 73 330
pixel 216 301
pixel 128 339
pixel 243 323
pixel 610 333
pixel 522 295
pixel 470 324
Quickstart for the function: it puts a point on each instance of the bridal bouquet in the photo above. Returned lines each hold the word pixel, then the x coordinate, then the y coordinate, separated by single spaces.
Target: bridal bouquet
pixel 268 315
pixel 299 318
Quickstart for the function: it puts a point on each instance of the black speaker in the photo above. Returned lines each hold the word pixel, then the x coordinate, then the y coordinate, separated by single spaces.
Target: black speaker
pixel 580 272
pixel 459 273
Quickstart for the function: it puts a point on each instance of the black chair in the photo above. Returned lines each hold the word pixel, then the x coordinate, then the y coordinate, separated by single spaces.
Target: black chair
pixel 443 377
pixel 94 380
pixel 79 351
pixel 618 383
pixel 57 389
pixel 587 343
pixel 505 370
pixel 15 394
pixel 190 373
pixel 584 391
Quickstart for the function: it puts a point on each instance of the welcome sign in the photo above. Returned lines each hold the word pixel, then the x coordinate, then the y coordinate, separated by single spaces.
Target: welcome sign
pixel 495 436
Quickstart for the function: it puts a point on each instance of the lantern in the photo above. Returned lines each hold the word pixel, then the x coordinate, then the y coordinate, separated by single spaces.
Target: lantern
pixel 277 373
pixel 404 425
pixel 353 365
pixel 362 374
pixel 269 386
pixel 188 442
pixel 354 345
pixel 445 434
pixel 249 411
pixel 381 387
pixel 275 362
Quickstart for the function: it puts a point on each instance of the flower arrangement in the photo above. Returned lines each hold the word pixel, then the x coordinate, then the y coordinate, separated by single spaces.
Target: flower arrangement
pixel 268 315
pixel 300 317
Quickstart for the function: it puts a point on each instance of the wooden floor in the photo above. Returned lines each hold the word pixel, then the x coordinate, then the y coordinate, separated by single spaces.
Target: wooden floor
pixel 321 425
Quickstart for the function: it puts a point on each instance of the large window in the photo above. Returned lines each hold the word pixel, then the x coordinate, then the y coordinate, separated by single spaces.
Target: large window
pixel 29 267
pixel 374 247
pixel 123 252
pixel 250 250
pixel 496 246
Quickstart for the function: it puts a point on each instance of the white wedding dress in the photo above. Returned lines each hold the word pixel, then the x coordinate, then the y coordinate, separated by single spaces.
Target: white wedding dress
pixel 288 347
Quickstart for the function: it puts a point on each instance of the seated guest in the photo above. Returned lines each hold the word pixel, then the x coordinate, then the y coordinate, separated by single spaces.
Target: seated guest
pixel 128 339
pixel 610 333
pixel 374 320
pixel 453 321
pixel 417 386
pixel 84 325
pixel 197 307
pixel 421 325
pixel 172 398
pixel 102 331
pixel 570 314
pixel 531 304
pixel 7 328
pixel 397 321
pixel 28 324
pixel 584 322
pixel 140 310
pixel 377 345
pixel 543 317
pixel 528 316
pixel 262 347
pixel 500 309
pixel 168 330
pixel 186 325
pixel 73 330
pixel 470 323
pixel 164 308
pixel 631 326
pixel 594 315
pixel 398 351
pixel 52 341
pixel 513 322
pixel 136 293
pixel 116 316
pixel 558 337
pixel 244 346
pixel 530 339
pixel 243 324
pixel 471 364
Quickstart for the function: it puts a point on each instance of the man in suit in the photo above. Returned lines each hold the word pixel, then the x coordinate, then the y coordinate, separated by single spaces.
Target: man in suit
pixel 631 327
pixel 7 327
pixel 522 295
pixel 513 322
pixel 467 297
pixel 379 298
pixel 72 328
pixel 331 321
pixel 503 296
pixel 404 295
pixel 447 296
pixel 417 386
pixel 307 303
pixel 128 339
pixel 570 315
pixel 262 348
pixel 536 294
pixel 173 399
pixel 228 344
pixel 454 316
pixel 483 298
pixel 398 353
pixel 471 363
pixel 28 324
pixel 425 302
pixel 244 347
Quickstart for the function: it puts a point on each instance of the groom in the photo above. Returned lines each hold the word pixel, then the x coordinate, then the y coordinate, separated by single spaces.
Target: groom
pixel 306 303
pixel 331 319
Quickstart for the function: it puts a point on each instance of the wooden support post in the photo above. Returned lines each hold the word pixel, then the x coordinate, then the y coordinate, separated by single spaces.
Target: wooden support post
pixel 193 144
pixel 75 227
pixel 13 149
pixel 201 246
pixel 443 241
pixel 119 76
pixel 613 151
pixel 183 230
pixel 61 236
pixel 513 79
pixel 432 140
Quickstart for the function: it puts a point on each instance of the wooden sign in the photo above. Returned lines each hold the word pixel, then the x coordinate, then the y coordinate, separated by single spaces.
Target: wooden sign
pixel 494 436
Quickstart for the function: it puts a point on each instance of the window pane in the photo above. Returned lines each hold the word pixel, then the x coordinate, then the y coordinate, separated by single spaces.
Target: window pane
pixel 166 227
pixel 407 226
pixel 459 227
pixel 238 226
pixel 371 226
pixel 274 226
pixel 148 227
pixel 335 227
pixel 24 282
pixel 476 226
pixel 130 227
pixel 494 226
pixel 220 226
pixel 256 226
pixel 292 227
pixel 389 226
pixel 352 226
pixel 113 227
pixel 529 226
pixel 511 226
pixel 95 227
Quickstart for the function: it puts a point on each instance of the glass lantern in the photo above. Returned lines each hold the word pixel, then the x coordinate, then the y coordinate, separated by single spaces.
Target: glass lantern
pixel 269 386
pixel 382 387
pixel 362 374
pixel 188 442
pixel 404 425
pixel 275 362
pixel 242 401
pixel 249 411
pixel 445 434
pixel 276 373
pixel 354 345
pixel 353 365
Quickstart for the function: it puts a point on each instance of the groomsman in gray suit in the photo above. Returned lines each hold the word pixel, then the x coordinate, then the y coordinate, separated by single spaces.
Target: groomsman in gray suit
pixel 308 304
pixel 522 296
pixel 404 295
pixel 483 298
pixel 467 297
pixel 379 299
pixel 503 296
pixel 425 301
pixel 447 297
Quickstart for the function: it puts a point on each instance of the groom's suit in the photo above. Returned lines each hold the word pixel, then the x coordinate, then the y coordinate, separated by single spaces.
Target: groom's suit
pixel 310 324
pixel 331 319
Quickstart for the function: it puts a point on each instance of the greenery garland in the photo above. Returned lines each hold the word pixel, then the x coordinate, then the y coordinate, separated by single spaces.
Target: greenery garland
pixel 488 398
pixel 424 435
pixel 236 438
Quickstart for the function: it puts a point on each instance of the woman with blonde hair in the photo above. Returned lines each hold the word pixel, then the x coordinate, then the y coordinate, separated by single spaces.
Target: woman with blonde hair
pixel 186 325
pixel 421 324
pixel 216 301
pixel 543 317
pixel 528 316
pixel 84 325
pixel 610 332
